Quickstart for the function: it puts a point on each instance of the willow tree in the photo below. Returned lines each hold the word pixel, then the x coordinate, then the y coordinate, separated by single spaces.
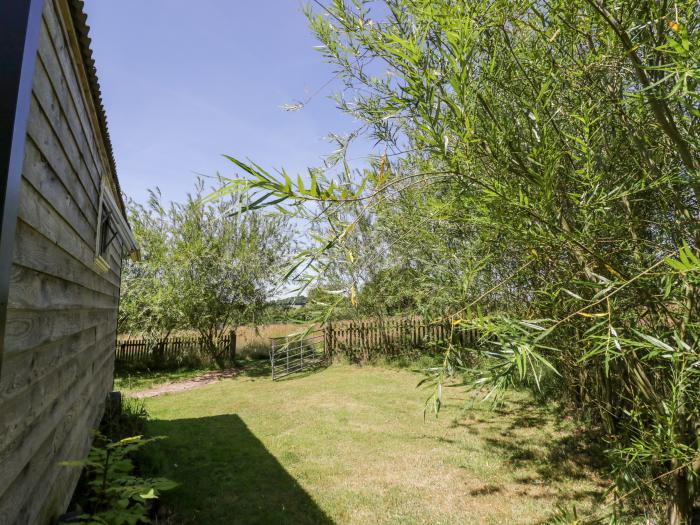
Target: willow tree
pixel 204 267
pixel 559 141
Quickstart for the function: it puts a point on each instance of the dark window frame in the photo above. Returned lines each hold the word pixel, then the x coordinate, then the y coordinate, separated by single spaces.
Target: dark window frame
pixel 108 231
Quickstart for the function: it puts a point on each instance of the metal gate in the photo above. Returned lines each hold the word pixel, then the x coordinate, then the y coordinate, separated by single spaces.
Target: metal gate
pixel 296 353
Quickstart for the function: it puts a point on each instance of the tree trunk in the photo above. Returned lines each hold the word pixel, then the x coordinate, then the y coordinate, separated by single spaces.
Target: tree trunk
pixel 159 352
pixel 232 347
pixel 680 507
pixel 210 347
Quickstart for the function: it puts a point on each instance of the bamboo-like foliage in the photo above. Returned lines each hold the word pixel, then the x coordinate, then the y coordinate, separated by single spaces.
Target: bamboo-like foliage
pixel 548 152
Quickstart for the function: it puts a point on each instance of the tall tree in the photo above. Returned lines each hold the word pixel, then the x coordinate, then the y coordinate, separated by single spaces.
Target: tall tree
pixel 205 266
pixel 557 143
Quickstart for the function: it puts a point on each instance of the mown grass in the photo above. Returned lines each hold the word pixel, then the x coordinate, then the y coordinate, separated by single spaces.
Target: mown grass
pixel 350 445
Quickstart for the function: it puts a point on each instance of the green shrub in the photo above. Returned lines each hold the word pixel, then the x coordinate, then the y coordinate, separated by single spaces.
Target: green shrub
pixel 115 495
pixel 124 419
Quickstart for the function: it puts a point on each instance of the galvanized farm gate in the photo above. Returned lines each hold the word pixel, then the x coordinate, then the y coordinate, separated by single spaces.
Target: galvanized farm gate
pixel 296 353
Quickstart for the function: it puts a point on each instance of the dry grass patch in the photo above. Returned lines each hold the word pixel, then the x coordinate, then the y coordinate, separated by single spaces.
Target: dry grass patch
pixel 254 341
pixel 350 445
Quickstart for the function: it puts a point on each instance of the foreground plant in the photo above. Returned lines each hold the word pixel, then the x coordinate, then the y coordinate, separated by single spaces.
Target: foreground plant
pixel 549 153
pixel 117 495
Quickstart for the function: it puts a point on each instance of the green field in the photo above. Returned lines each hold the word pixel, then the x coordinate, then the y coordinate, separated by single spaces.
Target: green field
pixel 350 445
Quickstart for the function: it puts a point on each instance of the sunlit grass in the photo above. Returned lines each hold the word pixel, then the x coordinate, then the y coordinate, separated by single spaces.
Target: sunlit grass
pixel 350 445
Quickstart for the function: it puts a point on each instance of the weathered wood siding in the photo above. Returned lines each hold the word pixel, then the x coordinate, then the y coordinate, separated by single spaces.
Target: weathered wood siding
pixel 59 344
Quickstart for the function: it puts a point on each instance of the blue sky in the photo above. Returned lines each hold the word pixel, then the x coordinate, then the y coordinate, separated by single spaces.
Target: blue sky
pixel 184 82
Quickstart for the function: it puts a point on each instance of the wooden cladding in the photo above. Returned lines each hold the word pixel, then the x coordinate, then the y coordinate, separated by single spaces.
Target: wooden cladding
pixel 60 330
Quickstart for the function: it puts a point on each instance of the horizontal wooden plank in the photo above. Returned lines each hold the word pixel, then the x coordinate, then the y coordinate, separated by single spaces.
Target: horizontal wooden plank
pixel 51 147
pixel 58 358
pixel 19 419
pixel 35 251
pixel 22 432
pixel 79 97
pixel 72 441
pixel 27 329
pixel 22 369
pixel 47 102
pixel 42 367
pixel 32 290
pixel 35 211
pixel 63 103
pixel 61 434
pixel 46 183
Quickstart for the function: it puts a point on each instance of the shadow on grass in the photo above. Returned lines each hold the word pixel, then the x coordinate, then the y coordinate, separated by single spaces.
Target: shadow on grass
pixel 541 454
pixel 311 370
pixel 574 454
pixel 257 368
pixel 261 368
pixel 226 475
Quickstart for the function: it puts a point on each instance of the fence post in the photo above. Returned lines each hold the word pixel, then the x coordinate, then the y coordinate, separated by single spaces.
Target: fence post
pixel 365 346
pixel 273 347
pixel 327 339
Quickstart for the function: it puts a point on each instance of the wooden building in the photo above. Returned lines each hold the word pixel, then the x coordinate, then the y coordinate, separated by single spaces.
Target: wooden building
pixel 63 238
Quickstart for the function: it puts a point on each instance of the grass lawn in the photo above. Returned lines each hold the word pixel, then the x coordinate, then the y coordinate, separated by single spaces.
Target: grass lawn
pixel 350 445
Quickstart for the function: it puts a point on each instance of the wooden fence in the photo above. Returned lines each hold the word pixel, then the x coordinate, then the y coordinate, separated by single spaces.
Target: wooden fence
pixel 366 339
pixel 358 341
pixel 173 350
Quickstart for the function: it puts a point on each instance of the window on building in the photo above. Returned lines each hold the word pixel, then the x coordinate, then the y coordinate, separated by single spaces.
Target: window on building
pixel 108 231
pixel 111 230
